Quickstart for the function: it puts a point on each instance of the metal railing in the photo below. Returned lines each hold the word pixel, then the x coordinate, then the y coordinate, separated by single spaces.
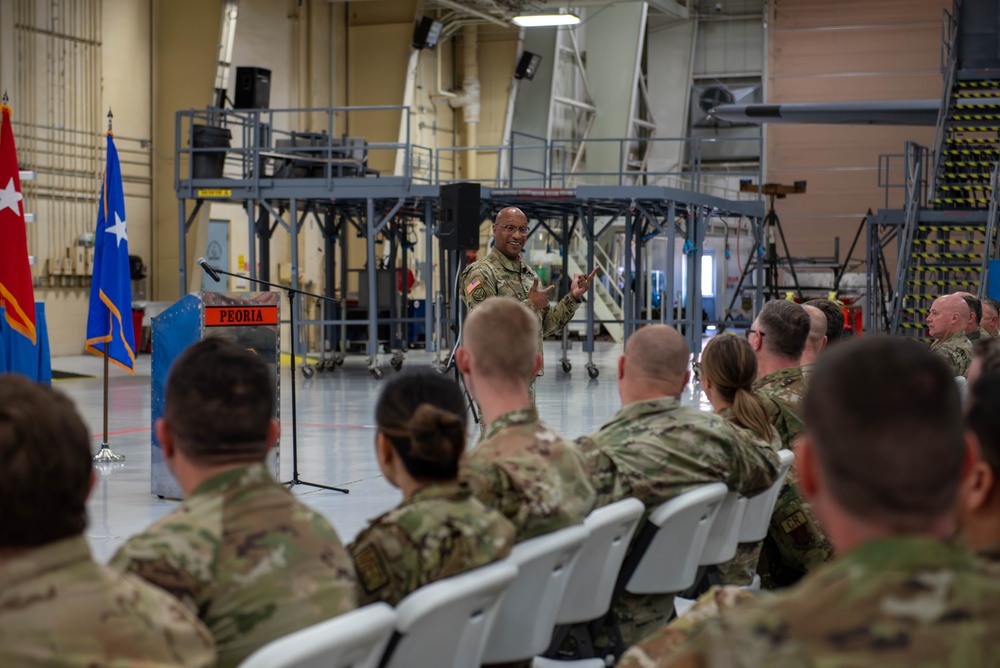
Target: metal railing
pixel 991 249
pixel 949 63
pixel 262 137
pixel 261 147
pixel 608 269
pixel 562 150
pixel 915 188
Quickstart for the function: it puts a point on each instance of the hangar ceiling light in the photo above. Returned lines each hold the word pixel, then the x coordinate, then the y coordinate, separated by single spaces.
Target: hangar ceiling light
pixel 543 20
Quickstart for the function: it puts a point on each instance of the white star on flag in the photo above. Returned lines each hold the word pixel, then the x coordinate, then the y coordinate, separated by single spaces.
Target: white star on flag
pixel 10 198
pixel 118 229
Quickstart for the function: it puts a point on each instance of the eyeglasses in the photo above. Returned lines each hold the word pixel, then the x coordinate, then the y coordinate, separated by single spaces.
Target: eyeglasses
pixel 510 229
pixel 749 331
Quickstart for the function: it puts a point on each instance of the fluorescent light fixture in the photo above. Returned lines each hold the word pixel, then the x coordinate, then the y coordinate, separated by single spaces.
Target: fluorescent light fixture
pixel 542 20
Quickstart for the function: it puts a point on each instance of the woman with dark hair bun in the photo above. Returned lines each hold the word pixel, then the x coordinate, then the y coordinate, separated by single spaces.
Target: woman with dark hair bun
pixel 439 529
pixel 728 370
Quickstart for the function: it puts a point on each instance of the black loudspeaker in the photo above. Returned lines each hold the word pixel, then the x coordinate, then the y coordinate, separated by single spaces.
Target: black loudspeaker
pixel 253 88
pixel 458 224
pixel 527 65
pixel 426 33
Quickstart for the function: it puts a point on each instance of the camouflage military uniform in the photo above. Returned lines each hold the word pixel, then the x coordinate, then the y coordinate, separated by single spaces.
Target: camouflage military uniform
pixel 893 602
pixel 956 351
pixel 530 474
pixel 436 532
pixel 979 335
pixel 496 275
pixel 251 560
pixel 58 607
pixel 741 568
pixel 656 450
pixel 709 606
pixel 794 542
pixel 989 559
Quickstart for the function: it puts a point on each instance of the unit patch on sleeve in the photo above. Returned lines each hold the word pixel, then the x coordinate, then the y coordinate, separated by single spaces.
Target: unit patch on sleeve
pixel 371 571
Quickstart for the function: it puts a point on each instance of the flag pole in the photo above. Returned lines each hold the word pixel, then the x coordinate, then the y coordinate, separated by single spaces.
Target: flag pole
pixel 106 454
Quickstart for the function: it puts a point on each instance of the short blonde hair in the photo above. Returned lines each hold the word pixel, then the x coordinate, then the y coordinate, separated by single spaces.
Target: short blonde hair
pixel 502 335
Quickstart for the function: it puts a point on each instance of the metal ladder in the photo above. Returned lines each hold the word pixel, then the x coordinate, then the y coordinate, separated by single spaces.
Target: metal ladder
pixel 951 211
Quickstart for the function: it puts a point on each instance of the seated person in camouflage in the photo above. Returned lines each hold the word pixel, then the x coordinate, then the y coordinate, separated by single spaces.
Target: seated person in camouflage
pixel 655 449
pixel 979 495
pixel 834 319
pixel 439 529
pixel 991 318
pixel 946 323
pixel 502 273
pixel 986 360
pixel 778 337
pixel 58 607
pixel 794 543
pixel 520 466
pixel 901 592
pixel 728 369
pixel 973 329
pixel 241 550
pixel 816 340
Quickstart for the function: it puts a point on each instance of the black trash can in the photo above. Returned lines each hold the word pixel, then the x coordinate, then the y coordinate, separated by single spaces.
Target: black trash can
pixel 209 164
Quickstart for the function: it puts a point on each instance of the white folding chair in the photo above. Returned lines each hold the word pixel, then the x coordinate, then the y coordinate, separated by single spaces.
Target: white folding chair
pixel 760 507
pixel 592 582
pixel 724 537
pixel 445 624
pixel 527 617
pixel 355 639
pixel 670 562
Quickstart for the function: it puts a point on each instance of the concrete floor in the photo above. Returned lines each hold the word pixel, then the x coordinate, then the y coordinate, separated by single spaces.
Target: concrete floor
pixel 335 435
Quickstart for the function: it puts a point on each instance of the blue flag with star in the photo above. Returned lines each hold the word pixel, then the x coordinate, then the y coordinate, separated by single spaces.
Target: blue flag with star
pixel 109 321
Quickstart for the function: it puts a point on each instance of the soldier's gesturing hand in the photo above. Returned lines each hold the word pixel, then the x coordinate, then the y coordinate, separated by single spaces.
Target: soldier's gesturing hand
pixel 581 283
pixel 539 298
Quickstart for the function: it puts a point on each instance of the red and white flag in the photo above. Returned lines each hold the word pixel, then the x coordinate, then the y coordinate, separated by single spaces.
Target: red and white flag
pixel 17 297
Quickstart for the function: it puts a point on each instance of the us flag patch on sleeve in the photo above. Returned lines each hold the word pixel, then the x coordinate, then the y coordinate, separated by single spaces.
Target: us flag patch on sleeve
pixel 473 285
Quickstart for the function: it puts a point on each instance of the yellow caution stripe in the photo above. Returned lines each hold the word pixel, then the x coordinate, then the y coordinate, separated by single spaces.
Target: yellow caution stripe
pixel 955 228
pixel 979 84
pixel 983 176
pixel 917 282
pixel 943 242
pixel 961 200
pixel 985 151
pixel 972 140
pixel 975 163
pixel 929 270
pixel 947 256
pixel 978 95
pixel 967 186
pixel 975 128
pixel 913 325
pixel 921 296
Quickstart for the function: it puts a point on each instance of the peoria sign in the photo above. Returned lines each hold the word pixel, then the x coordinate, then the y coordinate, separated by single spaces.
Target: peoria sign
pixel 240 316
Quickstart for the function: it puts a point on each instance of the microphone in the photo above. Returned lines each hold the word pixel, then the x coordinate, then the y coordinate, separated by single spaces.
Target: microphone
pixel 209 269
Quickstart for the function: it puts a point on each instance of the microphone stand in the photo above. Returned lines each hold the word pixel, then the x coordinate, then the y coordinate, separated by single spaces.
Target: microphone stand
pixel 451 364
pixel 290 292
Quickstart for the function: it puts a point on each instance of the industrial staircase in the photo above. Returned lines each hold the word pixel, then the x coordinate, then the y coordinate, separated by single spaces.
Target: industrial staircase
pixel 950 215
pixel 607 296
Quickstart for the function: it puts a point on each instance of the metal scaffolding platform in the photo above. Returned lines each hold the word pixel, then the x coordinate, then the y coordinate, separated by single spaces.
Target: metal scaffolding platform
pixel 274 175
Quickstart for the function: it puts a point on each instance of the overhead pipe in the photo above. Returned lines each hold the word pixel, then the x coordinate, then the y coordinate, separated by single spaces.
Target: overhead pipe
pixel 468 99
